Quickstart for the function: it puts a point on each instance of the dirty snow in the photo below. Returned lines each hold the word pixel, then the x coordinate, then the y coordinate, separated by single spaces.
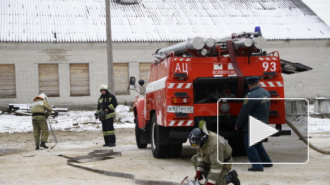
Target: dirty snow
pixel 318 125
pixel 85 120
pixel 314 124
pixel 71 120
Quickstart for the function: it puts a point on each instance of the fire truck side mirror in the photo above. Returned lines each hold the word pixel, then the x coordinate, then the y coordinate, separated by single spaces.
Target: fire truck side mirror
pixel 141 82
pixel 132 83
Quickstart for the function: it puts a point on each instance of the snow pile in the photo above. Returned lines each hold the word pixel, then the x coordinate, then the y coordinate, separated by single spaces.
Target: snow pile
pixel 12 123
pixel 85 120
pixel 122 114
pixel 318 125
pixel 72 120
pixel 312 124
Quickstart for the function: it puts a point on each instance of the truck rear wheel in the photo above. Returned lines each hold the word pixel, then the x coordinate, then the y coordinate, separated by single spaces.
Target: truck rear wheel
pixel 138 133
pixel 158 150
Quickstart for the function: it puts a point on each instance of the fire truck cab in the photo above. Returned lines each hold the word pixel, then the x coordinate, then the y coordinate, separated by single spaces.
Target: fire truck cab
pixel 186 81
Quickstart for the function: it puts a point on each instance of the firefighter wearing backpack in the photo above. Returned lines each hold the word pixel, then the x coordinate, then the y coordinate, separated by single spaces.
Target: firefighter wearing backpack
pixel 206 161
pixel 106 113
pixel 40 110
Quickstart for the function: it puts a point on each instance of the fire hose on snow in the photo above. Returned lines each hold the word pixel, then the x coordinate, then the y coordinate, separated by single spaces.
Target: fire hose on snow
pixel 290 124
pixel 100 155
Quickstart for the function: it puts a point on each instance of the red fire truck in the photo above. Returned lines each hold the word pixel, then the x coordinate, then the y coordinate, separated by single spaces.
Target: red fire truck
pixel 186 81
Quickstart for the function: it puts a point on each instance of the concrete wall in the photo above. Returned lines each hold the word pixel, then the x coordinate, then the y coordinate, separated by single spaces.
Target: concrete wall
pixel 27 56
pixel 313 53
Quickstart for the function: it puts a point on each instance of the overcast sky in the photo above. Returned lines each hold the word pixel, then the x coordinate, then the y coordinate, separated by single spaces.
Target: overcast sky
pixel 321 8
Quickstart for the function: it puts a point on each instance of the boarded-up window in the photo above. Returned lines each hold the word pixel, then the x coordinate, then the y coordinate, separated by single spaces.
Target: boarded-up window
pixel 144 72
pixel 79 80
pixel 7 81
pixel 121 78
pixel 48 79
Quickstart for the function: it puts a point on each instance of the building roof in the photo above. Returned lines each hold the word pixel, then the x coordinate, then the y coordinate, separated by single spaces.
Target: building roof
pixel 155 20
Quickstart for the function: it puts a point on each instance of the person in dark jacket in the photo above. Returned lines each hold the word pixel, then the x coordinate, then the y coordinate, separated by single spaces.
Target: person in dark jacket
pixel 258 109
pixel 106 106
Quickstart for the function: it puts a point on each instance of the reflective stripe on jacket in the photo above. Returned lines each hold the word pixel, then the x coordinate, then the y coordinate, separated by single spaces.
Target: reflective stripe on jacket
pixel 41 106
pixel 107 102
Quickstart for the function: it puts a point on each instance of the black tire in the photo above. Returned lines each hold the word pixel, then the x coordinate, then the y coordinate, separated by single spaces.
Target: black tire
pixel 138 133
pixel 158 150
pixel 175 150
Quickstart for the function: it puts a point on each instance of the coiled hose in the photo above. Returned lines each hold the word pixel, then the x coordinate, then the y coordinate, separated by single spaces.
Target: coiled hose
pixel 305 140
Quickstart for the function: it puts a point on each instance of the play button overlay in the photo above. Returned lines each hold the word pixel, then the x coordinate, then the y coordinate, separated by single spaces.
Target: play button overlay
pixel 259 131
pixel 282 145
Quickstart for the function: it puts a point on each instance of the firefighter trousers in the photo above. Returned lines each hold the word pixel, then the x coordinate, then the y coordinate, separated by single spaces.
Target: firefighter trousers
pixel 108 131
pixel 40 127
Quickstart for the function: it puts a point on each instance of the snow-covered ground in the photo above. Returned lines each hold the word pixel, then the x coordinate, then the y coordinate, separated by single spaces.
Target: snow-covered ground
pixel 85 120
pixel 318 125
pixel 71 120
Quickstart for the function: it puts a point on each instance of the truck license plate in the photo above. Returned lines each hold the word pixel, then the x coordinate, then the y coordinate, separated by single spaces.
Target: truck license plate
pixel 181 109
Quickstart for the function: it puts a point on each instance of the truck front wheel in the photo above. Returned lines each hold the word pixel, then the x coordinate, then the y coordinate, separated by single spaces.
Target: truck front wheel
pixel 138 135
pixel 158 150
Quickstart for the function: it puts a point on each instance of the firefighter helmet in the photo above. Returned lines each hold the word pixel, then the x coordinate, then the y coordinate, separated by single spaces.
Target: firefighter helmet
pixel 195 137
pixel 103 87
pixel 41 96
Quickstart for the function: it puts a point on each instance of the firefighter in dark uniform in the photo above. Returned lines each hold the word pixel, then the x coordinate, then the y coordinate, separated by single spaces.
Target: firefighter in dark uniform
pixel 259 109
pixel 40 110
pixel 107 103
pixel 206 162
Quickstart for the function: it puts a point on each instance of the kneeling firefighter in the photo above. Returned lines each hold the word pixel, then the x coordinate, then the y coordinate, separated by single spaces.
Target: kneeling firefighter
pixel 106 106
pixel 40 110
pixel 205 161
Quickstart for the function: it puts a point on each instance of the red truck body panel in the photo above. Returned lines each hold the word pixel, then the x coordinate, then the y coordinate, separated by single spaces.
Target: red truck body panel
pixel 163 85
pixel 204 79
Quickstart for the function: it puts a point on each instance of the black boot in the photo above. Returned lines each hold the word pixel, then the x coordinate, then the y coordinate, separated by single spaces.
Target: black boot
pixel 37 147
pixel 112 140
pixel 106 141
pixel 43 145
pixel 232 177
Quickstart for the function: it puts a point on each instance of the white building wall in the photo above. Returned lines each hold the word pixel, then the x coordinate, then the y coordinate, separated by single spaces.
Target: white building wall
pixel 313 53
pixel 27 56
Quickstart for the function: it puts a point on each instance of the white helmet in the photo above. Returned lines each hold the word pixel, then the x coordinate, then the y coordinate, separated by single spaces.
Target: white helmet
pixel 42 96
pixel 103 87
